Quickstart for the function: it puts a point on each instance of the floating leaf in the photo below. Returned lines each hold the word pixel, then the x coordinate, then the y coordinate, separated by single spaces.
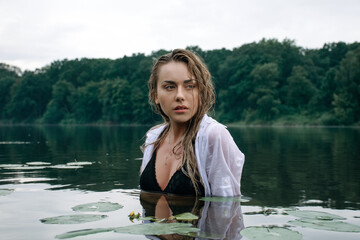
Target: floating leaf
pixel 313 201
pixel 266 212
pixel 14 142
pixel 147 218
pixel 157 228
pixel 270 233
pixel 38 163
pixel 337 226
pixel 97 207
pixel 84 232
pixel 223 199
pixel 26 167
pixel 204 235
pixel 186 217
pixel 9 166
pixel 63 166
pixel 5 191
pixel 73 219
pixel 78 163
pixel 313 215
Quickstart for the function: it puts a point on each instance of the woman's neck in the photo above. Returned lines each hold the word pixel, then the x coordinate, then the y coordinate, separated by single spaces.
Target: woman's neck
pixel 176 132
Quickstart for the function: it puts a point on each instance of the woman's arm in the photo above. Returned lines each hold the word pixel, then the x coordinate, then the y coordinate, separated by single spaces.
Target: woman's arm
pixel 222 161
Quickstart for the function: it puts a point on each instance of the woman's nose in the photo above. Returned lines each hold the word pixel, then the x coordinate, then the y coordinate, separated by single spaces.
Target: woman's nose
pixel 180 94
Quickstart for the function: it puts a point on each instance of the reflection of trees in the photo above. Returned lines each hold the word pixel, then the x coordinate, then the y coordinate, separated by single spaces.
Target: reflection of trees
pixel 34 144
pixel 112 150
pixel 284 165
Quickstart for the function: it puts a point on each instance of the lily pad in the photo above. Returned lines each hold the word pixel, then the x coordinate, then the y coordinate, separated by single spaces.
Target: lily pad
pixel 314 215
pixel 157 228
pixel 265 212
pixel 337 226
pixel 26 167
pixel 270 233
pixel 204 235
pixel 63 166
pixel 97 207
pixel 9 166
pixel 14 142
pixel 78 163
pixel 186 217
pixel 38 163
pixel 5 191
pixel 223 199
pixel 84 232
pixel 73 219
pixel 149 218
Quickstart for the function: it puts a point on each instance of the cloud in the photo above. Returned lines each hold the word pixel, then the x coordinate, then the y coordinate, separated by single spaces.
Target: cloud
pixel 37 32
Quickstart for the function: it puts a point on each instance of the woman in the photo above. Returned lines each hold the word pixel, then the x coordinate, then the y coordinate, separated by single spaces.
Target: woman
pixel 190 153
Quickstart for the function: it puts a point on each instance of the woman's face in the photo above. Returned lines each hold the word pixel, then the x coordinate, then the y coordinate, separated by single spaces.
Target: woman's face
pixel 177 92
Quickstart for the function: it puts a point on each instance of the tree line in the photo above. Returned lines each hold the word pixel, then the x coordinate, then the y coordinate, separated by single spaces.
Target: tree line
pixel 265 82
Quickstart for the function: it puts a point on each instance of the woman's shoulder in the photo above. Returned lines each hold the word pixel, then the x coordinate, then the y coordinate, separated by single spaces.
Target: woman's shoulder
pixel 209 127
pixel 154 132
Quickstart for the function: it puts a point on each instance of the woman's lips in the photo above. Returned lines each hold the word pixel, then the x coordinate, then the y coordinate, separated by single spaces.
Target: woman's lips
pixel 181 109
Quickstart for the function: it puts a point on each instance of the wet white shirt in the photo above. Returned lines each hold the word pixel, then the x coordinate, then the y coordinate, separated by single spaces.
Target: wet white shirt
pixel 219 160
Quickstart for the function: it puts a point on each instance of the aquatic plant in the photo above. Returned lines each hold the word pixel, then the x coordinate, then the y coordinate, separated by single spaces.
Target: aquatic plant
pixel 73 219
pixel 270 233
pixel 97 207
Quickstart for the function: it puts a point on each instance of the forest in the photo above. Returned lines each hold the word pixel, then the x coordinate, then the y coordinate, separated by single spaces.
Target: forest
pixel 269 82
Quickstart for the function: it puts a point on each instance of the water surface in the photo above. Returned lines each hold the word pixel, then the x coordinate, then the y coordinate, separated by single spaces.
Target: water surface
pixel 304 168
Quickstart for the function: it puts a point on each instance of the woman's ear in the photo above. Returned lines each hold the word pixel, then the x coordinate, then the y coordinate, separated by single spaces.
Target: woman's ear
pixel 156 99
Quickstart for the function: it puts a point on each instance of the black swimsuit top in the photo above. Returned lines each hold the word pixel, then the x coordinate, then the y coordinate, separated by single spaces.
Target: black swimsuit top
pixel 179 183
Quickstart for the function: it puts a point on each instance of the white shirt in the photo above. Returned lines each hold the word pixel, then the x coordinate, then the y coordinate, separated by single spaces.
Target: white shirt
pixel 220 162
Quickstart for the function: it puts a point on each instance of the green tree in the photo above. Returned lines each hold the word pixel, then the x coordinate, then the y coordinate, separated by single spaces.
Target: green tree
pixel 347 97
pixel 8 76
pixel 88 107
pixel 5 89
pixel 300 89
pixel 327 89
pixel 141 110
pixel 29 98
pixel 9 71
pixel 61 104
pixel 256 81
pixel 265 96
pixel 115 101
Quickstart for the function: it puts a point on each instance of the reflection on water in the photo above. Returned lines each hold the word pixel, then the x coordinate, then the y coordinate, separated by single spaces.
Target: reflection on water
pixel 114 153
pixel 217 220
pixel 284 166
pixel 290 166
pixel 314 168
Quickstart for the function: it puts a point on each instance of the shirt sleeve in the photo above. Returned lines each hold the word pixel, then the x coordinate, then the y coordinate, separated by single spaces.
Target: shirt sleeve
pixel 224 162
pixel 151 137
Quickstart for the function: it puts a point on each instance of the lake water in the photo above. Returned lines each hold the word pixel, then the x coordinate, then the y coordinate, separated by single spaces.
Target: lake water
pixel 315 169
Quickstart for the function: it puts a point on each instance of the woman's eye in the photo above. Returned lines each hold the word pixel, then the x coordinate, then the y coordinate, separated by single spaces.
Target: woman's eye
pixel 190 86
pixel 169 87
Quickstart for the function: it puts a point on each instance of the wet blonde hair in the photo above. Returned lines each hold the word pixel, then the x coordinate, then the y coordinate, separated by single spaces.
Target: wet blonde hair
pixel 198 69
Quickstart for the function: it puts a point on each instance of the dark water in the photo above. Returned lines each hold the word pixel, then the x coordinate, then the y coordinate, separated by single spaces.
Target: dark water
pixel 307 168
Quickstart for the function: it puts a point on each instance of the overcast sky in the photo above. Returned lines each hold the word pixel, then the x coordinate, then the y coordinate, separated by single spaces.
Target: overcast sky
pixel 34 33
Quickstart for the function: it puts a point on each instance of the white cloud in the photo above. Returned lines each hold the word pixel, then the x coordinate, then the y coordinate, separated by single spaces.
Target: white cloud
pixel 35 33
